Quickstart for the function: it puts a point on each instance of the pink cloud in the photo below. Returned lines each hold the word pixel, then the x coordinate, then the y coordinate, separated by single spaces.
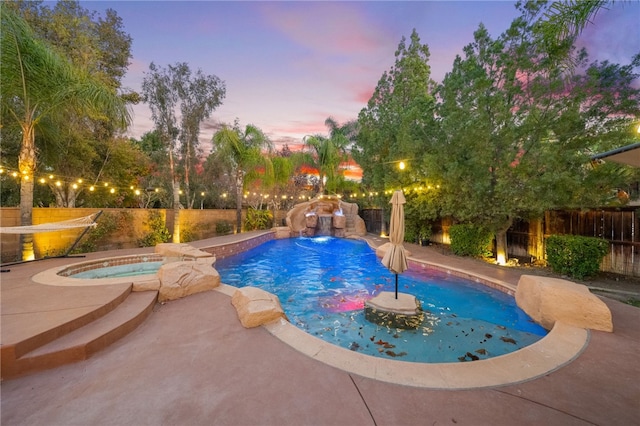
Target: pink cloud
pixel 343 26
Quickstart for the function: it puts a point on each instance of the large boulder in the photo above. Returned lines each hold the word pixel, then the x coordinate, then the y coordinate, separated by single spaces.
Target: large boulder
pixel 548 300
pixel 182 278
pixel 256 307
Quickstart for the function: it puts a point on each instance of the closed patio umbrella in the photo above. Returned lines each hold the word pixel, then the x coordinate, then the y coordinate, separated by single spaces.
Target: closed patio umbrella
pixel 395 259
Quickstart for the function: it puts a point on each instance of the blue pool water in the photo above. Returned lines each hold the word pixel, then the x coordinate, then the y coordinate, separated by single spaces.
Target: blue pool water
pixel 130 270
pixel 323 282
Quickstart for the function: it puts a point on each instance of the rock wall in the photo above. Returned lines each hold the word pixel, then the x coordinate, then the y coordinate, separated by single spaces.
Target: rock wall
pixel 302 219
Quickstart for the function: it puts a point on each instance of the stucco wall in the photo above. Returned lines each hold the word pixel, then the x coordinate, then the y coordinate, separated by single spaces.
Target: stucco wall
pixel 132 226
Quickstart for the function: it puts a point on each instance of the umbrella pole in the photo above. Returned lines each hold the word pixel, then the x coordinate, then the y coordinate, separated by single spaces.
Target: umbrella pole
pixel 396 286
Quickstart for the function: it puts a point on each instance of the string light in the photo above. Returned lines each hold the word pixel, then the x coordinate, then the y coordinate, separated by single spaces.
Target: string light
pixel 60 182
pixel 79 183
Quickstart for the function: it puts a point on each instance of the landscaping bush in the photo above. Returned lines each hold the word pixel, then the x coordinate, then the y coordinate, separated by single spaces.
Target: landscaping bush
pixel 574 255
pixel 108 224
pixel 158 232
pixel 258 219
pixel 224 228
pixel 187 233
pixel 417 232
pixel 469 240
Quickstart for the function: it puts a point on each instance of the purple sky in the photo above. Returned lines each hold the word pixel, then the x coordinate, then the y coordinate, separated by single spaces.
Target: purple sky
pixel 290 65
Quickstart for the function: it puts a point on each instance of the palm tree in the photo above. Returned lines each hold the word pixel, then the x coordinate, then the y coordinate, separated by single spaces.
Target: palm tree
pixel 38 87
pixel 328 153
pixel 241 150
pixel 567 19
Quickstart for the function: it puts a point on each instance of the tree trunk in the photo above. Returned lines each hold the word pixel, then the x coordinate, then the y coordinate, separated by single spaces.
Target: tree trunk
pixel 176 199
pixel 239 187
pixel 501 243
pixel 27 166
pixel 176 212
pixel 536 246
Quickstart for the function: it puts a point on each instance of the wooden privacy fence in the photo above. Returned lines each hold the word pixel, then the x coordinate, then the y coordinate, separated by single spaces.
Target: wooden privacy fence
pixel 525 239
pixel 621 227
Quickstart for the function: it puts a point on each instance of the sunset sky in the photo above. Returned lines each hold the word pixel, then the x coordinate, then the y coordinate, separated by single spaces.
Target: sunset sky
pixel 290 65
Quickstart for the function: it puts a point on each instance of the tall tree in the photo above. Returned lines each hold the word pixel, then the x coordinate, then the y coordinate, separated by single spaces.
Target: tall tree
pixel 395 124
pixel 241 150
pixel 199 95
pixel 517 130
pixel 100 47
pixel 169 91
pixel 37 86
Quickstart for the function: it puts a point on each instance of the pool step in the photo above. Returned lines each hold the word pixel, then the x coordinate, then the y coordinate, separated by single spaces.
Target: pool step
pixel 83 342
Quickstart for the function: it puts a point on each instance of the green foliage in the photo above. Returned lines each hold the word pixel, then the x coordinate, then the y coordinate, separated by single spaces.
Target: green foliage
pixel 469 240
pixel 108 224
pixel 258 219
pixel 398 119
pixel 516 130
pixel 158 232
pixel 224 228
pixel 180 100
pixel 575 255
pixel 242 152
pixel 417 232
pixel 187 233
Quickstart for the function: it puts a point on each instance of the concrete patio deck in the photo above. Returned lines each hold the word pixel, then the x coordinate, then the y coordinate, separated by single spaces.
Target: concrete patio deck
pixel 192 363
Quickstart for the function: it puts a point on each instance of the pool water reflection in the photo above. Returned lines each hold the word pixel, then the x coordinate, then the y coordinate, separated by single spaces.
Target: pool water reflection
pixel 323 282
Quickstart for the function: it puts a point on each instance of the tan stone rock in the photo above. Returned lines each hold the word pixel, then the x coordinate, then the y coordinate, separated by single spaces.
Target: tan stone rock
pixel 339 221
pixel 297 216
pixel 548 300
pixel 180 250
pixel 361 227
pixel 311 220
pixel 282 232
pixel 256 307
pixel 180 279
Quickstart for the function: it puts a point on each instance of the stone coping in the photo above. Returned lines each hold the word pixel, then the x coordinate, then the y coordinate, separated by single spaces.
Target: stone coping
pixel 51 276
pixel 561 346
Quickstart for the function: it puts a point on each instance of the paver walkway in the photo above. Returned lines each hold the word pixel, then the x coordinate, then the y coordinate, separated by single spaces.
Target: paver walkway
pixel 192 363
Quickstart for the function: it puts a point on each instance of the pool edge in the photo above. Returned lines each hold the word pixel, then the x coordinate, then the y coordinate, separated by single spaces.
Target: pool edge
pixel 562 345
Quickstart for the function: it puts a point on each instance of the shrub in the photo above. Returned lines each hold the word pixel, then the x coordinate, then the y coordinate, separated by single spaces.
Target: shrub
pixel 574 255
pixel 258 219
pixel 108 224
pixel 187 233
pixel 417 232
pixel 223 228
pixel 469 240
pixel 158 233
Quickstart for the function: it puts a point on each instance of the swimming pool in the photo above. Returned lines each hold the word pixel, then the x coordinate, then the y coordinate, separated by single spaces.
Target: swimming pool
pixel 323 282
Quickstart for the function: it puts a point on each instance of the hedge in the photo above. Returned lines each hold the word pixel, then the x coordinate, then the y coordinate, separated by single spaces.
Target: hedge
pixel 469 240
pixel 574 255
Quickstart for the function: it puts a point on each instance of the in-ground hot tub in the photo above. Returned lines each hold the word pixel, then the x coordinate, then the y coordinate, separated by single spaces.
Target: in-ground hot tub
pixel 113 270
